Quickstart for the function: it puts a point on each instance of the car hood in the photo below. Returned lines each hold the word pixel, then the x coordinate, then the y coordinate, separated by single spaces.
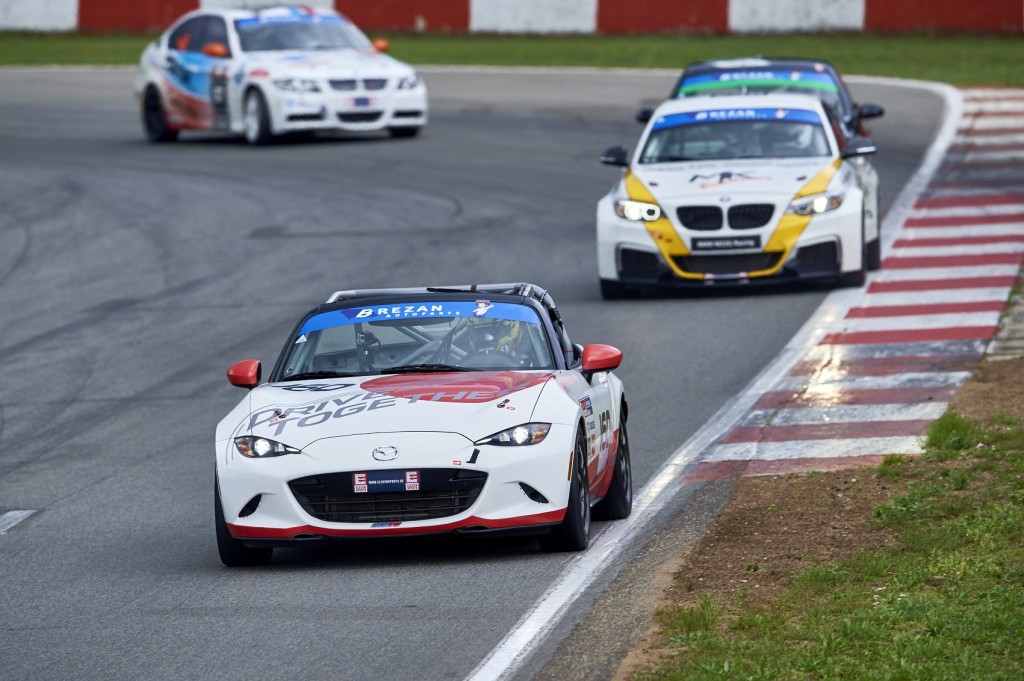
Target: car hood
pixel 475 404
pixel 327 64
pixel 713 179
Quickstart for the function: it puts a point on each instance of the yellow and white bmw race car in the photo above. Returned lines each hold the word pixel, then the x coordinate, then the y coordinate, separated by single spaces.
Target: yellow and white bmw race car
pixel 739 190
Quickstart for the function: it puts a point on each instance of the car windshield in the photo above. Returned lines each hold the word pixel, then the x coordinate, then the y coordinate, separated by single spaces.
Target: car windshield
pixel 297 31
pixel 735 133
pixel 418 336
pixel 762 81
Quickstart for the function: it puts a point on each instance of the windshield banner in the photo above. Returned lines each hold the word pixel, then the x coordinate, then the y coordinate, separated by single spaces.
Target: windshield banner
pixel 720 115
pixel 484 309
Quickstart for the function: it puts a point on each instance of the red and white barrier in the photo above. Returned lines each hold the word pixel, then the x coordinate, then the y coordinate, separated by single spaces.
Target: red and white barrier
pixel 559 16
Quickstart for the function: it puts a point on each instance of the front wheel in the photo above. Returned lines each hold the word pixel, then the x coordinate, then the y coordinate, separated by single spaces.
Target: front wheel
pixel 573 533
pixel 257 118
pixel 618 503
pixel 233 552
pixel 154 118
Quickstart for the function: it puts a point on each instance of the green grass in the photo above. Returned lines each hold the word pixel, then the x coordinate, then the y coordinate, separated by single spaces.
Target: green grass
pixel 957 59
pixel 945 602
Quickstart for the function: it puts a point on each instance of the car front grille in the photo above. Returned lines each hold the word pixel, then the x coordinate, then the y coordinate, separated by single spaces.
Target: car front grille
pixel 375 83
pixel 346 85
pixel 702 218
pixel 443 492
pixel 750 215
pixel 727 264
pixel 361 117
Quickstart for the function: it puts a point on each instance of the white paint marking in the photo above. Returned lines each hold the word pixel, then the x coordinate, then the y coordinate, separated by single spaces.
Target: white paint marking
pixel 988 106
pixel 812 386
pixel 958 249
pixel 814 449
pixel 944 273
pixel 958 295
pixel 515 648
pixel 922 321
pixel 994 123
pixel 989 140
pixel 960 232
pixel 12 518
pixel 845 414
pixel 973 211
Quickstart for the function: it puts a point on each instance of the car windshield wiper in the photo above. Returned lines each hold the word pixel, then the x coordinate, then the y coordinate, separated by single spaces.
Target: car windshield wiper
pixel 319 374
pixel 417 368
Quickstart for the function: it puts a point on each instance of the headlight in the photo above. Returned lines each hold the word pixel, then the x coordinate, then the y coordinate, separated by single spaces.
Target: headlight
pixel 637 210
pixel 297 85
pixel 526 434
pixel 261 447
pixel 409 82
pixel 812 205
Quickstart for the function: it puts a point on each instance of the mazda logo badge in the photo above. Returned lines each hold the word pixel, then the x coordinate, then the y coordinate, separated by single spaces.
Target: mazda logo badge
pixel 385 453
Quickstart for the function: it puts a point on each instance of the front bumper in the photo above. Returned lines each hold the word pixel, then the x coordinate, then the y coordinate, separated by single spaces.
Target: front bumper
pixel 350 111
pixel 829 246
pixel 313 495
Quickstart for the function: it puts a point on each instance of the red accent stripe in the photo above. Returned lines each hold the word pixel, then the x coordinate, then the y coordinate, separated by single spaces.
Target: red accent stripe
pixel 826 431
pixel 910 335
pixel 969 200
pixel 954 221
pixel 959 241
pixel 911 310
pixel 884 366
pixel 1007 281
pixel 248 532
pixel 806 465
pixel 707 471
pixel 790 400
pixel 978 260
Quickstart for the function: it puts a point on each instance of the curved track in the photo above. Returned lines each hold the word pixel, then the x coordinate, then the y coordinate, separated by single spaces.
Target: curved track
pixel 132 275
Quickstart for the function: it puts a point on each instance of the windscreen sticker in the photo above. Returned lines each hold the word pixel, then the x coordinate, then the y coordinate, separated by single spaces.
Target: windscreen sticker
pixel 703 82
pixel 357 315
pixel 720 115
pixel 287 16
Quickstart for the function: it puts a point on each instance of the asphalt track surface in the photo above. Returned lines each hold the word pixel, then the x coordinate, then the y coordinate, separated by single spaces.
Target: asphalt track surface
pixel 132 275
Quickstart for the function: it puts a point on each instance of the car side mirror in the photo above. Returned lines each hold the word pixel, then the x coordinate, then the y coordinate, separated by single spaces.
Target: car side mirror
pixel 597 357
pixel 616 156
pixel 859 146
pixel 245 374
pixel 381 44
pixel 216 50
pixel 870 111
pixel 644 115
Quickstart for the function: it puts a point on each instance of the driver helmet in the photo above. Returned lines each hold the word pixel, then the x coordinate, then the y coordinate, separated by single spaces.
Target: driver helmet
pixel 497 335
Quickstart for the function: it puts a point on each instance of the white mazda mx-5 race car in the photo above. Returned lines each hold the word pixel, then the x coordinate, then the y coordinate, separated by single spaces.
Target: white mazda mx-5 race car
pixel 409 411
pixel 264 72
pixel 739 190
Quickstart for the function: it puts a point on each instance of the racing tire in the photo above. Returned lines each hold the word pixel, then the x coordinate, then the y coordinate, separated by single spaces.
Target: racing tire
pixel 256 118
pixel 618 503
pixel 615 290
pixel 154 118
pixel 573 533
pixel 233 552
pixel 404 132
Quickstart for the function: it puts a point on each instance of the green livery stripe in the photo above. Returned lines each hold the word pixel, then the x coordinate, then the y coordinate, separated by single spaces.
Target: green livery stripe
pixel 772 83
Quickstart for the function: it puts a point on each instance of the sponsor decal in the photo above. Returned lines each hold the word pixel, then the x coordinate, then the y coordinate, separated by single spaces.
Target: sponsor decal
pixel 315 387
pixel 744 114
pixel 726 243
pixel 765 79
pixel 362 101
pixel 471 388
pixel 457 462
pixel 301 339
pixel 482 306
pixel 587 406
pixel 380 525
pixel 726 177
pixel 319 413
pixel 385 481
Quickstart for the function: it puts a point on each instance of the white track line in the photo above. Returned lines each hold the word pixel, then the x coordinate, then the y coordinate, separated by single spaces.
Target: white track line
pixel 814 449
pixel 12 518
pixel 945 273
pixel 798 416
pixel 963 295
pixel 545 614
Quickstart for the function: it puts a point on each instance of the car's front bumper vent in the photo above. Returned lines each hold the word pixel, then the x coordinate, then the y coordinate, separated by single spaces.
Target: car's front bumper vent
pixel 375 83
pixel 346 85
pixel 361 117
pixel 727 264
pixel 443 492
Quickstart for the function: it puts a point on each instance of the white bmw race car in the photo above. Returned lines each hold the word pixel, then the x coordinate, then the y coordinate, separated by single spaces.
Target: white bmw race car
pixel 263 72
pixel 739 190
pixel 410 411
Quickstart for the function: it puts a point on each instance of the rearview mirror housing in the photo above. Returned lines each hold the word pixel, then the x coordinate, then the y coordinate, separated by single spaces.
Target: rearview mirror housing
pixel 245 374
pixel 616 156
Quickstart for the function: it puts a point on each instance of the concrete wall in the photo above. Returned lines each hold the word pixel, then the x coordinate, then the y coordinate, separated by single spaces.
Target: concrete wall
pixel 560 16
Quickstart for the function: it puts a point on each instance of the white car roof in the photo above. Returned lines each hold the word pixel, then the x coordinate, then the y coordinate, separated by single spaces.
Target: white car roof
pixel 771 100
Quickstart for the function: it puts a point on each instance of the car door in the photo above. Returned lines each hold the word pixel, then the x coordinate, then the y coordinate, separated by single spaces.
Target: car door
pixel 198 97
